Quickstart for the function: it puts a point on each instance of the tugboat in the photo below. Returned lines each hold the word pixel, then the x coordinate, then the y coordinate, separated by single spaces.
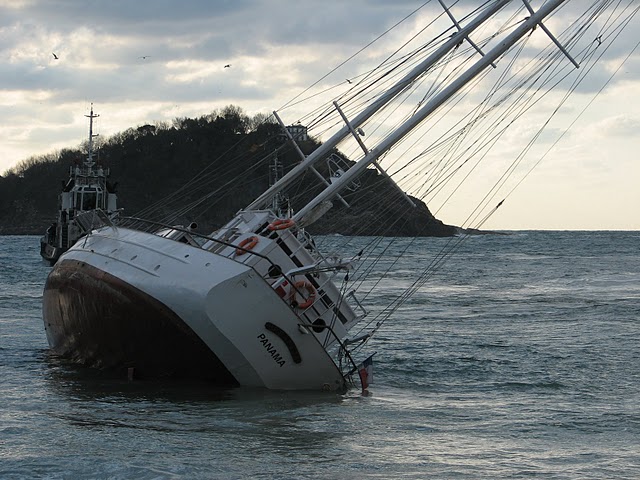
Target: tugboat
pixel 87 190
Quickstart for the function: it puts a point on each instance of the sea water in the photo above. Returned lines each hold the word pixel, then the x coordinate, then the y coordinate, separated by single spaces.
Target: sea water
pixel 519 359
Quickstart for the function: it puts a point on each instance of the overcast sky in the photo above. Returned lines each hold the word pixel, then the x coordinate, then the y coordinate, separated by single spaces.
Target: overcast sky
pixel 150 60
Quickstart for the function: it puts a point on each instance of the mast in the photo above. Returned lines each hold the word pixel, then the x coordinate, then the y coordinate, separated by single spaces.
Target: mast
pixel 322 151
pixel 89 161
pixel 487 60
pixel 275 173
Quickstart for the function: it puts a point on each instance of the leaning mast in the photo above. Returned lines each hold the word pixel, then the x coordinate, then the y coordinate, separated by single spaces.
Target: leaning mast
pixel 430 107
pixel 324 149
pixel 370 156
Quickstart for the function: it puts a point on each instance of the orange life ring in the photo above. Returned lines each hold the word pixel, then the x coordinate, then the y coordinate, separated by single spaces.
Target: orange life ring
pixel 311 293
pixel 281 224
pixel 247 244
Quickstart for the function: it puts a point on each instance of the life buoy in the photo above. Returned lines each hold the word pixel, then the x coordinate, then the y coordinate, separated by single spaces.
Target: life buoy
pixel 302 286
pixel 247 244
pixel 281 224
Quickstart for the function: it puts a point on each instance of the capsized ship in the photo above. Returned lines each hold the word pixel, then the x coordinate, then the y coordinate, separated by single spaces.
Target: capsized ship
pixel 87 190
pixel 257 302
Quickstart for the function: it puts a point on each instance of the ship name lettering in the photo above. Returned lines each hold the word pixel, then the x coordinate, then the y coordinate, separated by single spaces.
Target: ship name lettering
pixel 271 350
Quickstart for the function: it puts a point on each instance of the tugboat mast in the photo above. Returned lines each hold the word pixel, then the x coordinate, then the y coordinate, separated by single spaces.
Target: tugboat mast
pixel 89 161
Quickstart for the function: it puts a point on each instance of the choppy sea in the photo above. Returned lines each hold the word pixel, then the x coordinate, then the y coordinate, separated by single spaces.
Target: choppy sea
pixel 519 359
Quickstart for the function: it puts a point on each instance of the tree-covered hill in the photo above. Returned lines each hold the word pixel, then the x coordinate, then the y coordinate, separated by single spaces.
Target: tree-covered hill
pixel 203 170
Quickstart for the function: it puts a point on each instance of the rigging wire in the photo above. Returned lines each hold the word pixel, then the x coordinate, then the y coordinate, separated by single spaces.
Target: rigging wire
pixel 286 105
pixel 463 145
pixel 428 272
pixel 585 108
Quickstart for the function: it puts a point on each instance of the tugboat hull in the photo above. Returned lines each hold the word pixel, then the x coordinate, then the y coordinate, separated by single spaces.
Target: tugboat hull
pixel 49 253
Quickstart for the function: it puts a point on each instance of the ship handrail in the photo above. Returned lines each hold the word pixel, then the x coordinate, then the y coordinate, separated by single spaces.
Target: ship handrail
pixel 285 275
pixel 93 219
pixel 343 348
pixel 215 240
pixel 179 228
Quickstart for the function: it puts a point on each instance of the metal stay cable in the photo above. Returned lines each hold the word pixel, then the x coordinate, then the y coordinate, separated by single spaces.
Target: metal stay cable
pixel 421 281
pixel 585 108
pixel 200 177
pixel 329 110
pixel 584 72
pixel 288 104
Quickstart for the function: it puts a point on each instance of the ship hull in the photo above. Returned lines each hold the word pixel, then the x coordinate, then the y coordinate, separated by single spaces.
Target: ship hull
pixel 124 299
pixel 98 320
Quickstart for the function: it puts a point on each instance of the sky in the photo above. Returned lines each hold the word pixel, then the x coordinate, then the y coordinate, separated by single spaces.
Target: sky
pixel 156 60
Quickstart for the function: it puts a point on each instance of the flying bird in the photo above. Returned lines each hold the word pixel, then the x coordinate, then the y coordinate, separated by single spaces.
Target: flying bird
pixel 55 57
pixel 144 57
pixel 227 65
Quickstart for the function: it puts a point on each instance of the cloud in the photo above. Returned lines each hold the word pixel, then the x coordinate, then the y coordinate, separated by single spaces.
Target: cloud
pixel 149 60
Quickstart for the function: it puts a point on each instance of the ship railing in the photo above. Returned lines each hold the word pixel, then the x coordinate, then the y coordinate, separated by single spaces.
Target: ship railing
pixel 344 353
pixel 94 219
pixel 306 321
pixel 151 226
pixel 337 350
pixel 84 173
pixel 332 304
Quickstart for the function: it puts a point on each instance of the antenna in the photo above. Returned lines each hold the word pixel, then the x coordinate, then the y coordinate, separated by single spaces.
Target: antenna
pixel 89 161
